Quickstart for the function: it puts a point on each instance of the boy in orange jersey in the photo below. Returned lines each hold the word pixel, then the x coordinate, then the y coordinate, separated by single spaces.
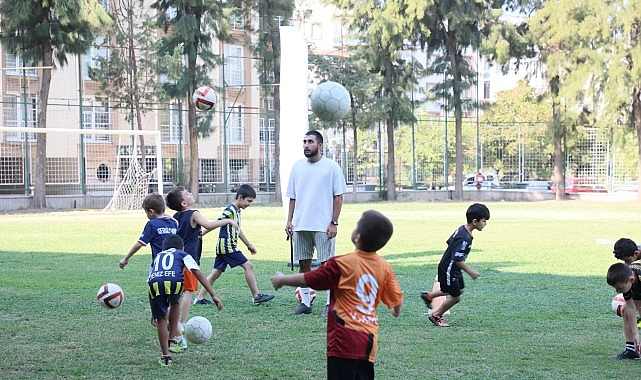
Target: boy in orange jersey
pixel 357 282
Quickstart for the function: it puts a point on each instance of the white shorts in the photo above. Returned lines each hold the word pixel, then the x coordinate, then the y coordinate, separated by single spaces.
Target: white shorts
pixel 305 241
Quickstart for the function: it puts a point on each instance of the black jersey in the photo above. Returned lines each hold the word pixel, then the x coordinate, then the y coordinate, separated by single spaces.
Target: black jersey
pixel 458 247
pixel 636 285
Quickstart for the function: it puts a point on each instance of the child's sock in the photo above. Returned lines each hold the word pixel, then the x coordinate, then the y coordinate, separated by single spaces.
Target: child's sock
pixel 629 346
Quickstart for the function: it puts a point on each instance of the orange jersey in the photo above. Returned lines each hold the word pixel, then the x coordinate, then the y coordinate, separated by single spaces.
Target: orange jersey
pixel 358 282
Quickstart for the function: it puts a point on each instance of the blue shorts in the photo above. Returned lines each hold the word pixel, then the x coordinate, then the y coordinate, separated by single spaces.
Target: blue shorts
pixel 160 304
pixel 233 259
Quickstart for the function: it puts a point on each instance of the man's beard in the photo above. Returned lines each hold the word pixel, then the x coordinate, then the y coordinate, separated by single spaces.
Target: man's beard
pixel 310 153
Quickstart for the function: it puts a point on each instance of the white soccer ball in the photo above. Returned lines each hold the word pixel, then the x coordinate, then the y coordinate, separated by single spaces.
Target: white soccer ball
pixel 198 330
pixel 204 98
pixel 110 296
pixel 312 295
pixel 617 304
pixel 330 101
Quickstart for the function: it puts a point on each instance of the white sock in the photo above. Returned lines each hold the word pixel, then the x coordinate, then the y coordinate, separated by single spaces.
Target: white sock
pixel 327 298
pixel 304 296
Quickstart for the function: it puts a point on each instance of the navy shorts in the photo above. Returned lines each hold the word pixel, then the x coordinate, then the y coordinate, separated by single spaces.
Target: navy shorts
pixel 233 259
pixel 452 285
pixel 348 369
pixel 160 304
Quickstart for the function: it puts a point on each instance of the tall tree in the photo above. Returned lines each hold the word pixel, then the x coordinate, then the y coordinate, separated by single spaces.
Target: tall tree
pixel 46 32
pixel 128 75
pixel 386 29
pixel 191 25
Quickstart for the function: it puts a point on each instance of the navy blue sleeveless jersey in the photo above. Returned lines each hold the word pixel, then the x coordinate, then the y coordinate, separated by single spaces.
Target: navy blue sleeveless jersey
pixel 190 235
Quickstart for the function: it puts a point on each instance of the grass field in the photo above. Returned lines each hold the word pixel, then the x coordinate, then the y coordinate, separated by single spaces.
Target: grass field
pixel 541 308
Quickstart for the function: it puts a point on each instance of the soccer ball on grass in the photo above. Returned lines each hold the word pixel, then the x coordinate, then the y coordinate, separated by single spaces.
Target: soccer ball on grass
pixel 110 296
pixel 330 101
pixel 204 98
pixel 198 330
pixel 617 304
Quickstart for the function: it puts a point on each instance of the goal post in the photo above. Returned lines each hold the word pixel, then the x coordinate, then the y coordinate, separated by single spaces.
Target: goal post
pixel 79 161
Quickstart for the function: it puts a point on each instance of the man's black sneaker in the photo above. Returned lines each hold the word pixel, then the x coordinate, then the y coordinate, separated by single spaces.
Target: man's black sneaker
pixel 302 309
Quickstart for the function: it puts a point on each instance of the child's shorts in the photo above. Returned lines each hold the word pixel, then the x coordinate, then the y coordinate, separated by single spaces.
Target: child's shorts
pixel 190 282
pixel 233 259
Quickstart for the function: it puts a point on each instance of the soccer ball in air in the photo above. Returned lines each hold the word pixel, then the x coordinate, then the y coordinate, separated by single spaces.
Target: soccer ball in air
pixel 312 295
pixel 204 98
pixel 330 101
pixel 198 330
pixel 110 295
pixel 617 304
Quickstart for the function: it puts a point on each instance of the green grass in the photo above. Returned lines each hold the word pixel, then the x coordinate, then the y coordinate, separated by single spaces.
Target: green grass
pixel 541 308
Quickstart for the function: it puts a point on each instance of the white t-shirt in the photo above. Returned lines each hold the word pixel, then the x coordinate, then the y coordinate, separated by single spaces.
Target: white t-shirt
pixel 314 187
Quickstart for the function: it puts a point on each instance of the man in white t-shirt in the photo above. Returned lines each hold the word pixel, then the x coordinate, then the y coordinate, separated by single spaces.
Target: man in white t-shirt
pixel 315 190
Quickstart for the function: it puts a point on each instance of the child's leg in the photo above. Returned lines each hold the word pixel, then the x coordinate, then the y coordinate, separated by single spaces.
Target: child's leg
pixel 174 314
pixel 213 276
pixel 185 306
pixel 163 335
pixel 250 278
pixel 446 305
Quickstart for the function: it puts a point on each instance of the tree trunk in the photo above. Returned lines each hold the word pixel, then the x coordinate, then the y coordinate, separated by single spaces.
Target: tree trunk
pixel 276 173
pixel 636 109
pixel 558 137
pixel 40 167
pixel 391 177
pixel 193 152
pixel 355 160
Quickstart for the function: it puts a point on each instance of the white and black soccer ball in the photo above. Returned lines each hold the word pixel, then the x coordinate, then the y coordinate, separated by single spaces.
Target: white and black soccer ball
pixel 204 98
pixel 330 101
pixel 198 330
pixel 110 296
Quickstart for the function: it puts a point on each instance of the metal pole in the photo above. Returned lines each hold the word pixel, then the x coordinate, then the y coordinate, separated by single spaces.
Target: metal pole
pixel 478 140
pixel 446 159
pixel 27 181
pixel 414 185
pixel 180 143
pixel 83 164
pixel 267 136
pixel 224 96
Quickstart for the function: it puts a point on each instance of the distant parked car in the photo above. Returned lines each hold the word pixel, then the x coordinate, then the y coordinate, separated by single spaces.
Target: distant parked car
pixel 490 181
pixel 581 185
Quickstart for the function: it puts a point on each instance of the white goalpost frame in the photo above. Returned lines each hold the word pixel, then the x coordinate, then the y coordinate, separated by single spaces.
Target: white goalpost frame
pixel 124 132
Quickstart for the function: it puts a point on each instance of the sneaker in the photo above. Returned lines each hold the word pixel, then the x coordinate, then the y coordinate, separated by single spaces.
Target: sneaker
pixel 262 298
pixel 302 309
pixel 174 346
pixel 165 361
pixel 425 296
pixel 626 354
pixel 182 343
pixel 203 301
pixel 438 321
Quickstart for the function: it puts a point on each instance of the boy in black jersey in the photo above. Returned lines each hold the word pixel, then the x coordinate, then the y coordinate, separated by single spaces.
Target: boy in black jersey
pixel 625 279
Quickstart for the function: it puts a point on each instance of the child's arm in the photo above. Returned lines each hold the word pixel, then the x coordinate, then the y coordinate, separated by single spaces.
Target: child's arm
pixel 125 260
pixel 279 279
pixel 209 225
pixel 464 267
pixel 396 310
pixel 630 329
pixel 203 280
pixel 249 245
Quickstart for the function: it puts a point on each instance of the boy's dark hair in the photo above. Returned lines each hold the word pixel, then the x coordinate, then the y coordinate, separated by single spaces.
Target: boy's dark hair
pixel 477 211
pixel 245 191
pixel 624 248
pixel 174 198
pixel 375 230
pixel 154 201
pixel 618 273
pixel 319 137
pixel 173 241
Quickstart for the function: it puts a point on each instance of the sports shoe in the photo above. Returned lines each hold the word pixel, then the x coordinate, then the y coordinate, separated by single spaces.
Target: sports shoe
pixel 325 312
pixel 203 301
pixel 262 298
pixel 165 361
pixel 302 309
pixel 182 343
pixel 438 321
pixel 174 346
pixel 626 354
pixel 427 298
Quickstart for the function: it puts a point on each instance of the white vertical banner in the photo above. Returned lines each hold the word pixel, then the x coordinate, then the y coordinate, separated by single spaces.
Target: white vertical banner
pixel 293 103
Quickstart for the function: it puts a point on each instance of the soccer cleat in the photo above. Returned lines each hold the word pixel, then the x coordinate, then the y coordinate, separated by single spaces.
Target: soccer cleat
pixel 203 301
pixel 302 309
pixel 174 346
pixel 325 312
pixel 165 361
pixel 262 298
pixel 182 343
pixel 438 321
pixel 626 354
pixel 427 298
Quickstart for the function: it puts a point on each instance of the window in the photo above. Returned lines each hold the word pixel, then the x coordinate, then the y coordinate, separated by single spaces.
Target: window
pixel 236 22
pixel 233 65
pixel 170 128
pixel 210 170
pixel 486 90
pixel 96 116
pixel 268 135
pixel 17 115
pixel 90 60
pixel 235 127
pixel 14 64
pixel 270 103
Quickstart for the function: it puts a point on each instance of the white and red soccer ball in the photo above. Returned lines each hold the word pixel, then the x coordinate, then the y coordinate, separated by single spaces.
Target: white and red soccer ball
pixel 110 296
pixel 617 304
pixel 204 98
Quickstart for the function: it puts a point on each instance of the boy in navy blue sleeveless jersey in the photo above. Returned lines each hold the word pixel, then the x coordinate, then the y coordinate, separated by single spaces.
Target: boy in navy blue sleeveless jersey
pixel 165 288
pixel 190 224
pixel 450 276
